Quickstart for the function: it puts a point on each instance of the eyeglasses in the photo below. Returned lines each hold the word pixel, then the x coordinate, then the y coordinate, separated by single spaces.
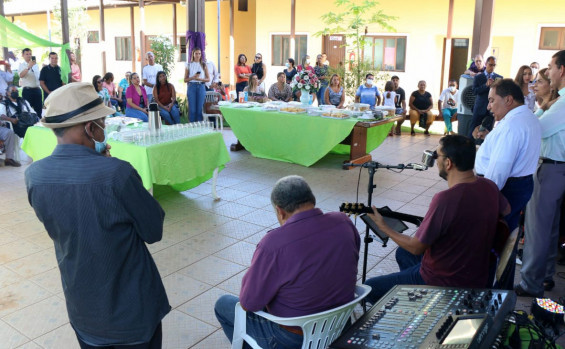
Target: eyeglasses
pixel 99 81
pixel 435 155
pixel 258 57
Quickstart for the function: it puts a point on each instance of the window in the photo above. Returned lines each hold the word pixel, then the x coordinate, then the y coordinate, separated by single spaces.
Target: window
pixel 281 49
pixel 123 48
pixel 93 37
pixel 182 50
pixel 386 53
pixel 552 38
pixel 242 5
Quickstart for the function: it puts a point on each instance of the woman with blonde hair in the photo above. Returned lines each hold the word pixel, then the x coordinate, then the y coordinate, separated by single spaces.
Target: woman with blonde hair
pixel 334 93
pixel 522 79
pixel 196 75
pixel 545 95
pixel 254 91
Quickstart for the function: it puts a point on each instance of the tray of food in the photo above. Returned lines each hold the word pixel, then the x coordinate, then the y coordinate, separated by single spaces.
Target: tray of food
pixel 336 114
pixel 292 109
pixel 387 111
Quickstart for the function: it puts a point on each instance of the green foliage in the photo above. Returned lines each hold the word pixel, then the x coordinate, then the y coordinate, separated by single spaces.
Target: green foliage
pixel 349 77
pixel 352 23
pixel 78 16
pixel 164 52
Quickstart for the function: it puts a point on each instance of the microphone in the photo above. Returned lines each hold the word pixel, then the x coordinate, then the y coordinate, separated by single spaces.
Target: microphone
pixel 419 167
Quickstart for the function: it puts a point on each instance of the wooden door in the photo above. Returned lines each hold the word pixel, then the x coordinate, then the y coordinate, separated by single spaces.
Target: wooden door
pixel 334 47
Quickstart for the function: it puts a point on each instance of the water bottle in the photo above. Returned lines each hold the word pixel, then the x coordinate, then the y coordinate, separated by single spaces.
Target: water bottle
pixel 245 95
pixel 154 119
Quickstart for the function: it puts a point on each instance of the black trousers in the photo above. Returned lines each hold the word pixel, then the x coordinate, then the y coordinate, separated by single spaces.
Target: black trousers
pixel 154 343
pixel 34 97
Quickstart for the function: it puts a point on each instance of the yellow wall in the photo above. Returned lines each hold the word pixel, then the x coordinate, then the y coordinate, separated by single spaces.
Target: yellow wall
pixel 515 33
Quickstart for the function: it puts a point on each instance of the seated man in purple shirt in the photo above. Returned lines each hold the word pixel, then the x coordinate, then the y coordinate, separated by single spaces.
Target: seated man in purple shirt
pixel 457 233
pixel 306 266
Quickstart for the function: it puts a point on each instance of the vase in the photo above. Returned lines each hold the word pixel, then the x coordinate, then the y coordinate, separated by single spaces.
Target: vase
pixel 304 97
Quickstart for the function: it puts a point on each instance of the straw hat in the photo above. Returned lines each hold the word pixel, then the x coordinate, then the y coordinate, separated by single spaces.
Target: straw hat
pixel 74 104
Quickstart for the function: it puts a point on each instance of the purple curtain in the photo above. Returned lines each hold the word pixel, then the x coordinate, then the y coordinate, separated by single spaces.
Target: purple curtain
pixel 195 39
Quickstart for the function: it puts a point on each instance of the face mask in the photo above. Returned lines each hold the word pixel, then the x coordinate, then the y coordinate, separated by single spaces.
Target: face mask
pixel 287 65
pixel 100 147
pixel 307 61
pixel 534 72
pixel 14 94
pixel 370 82
pixel 452 88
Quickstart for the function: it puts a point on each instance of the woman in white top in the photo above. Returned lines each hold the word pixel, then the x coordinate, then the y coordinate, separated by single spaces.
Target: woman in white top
pixel 523 78
pixel 196 75
pixel 390 96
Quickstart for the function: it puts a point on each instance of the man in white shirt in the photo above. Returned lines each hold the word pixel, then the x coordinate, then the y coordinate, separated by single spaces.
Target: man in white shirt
pixel 509 154
pixel 447 104
pixel 214 75
pixel 543 211
pixel 29 80
pixel 149 74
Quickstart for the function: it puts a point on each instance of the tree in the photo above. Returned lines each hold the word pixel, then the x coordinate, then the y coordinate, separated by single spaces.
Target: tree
pixel 78 16
pixel 164 52
pixel 352 23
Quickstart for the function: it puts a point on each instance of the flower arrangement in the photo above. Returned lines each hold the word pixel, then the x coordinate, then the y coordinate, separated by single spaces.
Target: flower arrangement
pixel 305 80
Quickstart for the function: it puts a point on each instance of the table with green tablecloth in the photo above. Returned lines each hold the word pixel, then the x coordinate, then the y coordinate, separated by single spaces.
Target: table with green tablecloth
pixel 180 164
pixel 301 138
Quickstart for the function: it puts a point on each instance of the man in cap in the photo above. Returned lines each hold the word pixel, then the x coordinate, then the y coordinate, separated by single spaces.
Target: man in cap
pixel 99 216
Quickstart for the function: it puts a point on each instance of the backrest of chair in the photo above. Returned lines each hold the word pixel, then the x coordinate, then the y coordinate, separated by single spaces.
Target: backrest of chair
pixel 321 329
pixel 506 255
pixel 212 97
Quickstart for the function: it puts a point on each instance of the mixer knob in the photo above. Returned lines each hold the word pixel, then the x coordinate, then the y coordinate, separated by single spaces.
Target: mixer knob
pixel 499 297
pixel 376 336
pixel 457 312
pixel 489 294
pixel 492 308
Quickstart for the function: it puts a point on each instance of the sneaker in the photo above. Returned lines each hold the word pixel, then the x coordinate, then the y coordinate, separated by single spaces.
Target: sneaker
pixel 12 162
pixel 518 261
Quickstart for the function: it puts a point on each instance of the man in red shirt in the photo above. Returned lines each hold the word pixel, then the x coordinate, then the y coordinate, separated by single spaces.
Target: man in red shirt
pixel 457 233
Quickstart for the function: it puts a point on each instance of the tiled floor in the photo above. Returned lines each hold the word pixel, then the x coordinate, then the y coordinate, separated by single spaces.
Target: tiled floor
pixel 207 246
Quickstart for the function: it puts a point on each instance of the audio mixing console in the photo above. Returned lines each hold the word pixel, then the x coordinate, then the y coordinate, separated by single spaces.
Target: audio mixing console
pixel 416 316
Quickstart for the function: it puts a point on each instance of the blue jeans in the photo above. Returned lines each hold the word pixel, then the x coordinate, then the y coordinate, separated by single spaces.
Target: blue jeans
pixel 267 334
pixel 518 192
pixel 380 285
pixel 172 117
pixel 196 94
pixel 447 115
pixel 320 95
pixel 134 113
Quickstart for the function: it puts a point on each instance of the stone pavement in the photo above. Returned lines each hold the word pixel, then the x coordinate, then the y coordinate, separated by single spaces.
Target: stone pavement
pixel 206 247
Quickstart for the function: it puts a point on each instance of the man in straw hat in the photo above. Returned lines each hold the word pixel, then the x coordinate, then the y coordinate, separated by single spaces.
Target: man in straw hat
pixel 99 216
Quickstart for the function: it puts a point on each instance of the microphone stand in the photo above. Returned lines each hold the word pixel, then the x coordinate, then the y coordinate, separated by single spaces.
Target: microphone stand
pixel 372 166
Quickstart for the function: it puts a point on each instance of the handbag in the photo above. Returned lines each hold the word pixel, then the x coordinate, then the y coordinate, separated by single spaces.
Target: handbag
pixel 423 120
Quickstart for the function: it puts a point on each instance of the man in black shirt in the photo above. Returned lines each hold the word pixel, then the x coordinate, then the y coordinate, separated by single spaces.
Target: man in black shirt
pixel 400 103
pixel 50 76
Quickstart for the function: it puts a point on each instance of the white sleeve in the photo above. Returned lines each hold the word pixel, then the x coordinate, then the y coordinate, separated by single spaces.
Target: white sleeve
pixel 3 109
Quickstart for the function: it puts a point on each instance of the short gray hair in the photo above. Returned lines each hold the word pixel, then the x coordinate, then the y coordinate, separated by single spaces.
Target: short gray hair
pixel 291 192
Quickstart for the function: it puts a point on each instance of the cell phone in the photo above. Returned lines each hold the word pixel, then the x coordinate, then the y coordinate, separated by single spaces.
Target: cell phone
pixel 197 73
pixel 33 58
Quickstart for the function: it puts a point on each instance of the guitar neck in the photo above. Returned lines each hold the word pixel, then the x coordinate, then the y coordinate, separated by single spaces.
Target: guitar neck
pixel 385 212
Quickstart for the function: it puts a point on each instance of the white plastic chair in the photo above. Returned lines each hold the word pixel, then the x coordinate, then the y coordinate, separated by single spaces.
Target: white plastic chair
pixel 214 97
pixel 18 139
pixel 320 329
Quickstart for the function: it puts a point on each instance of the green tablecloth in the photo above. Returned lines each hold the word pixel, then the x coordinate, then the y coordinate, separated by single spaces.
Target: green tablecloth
pixel 296 138
pixel 180 164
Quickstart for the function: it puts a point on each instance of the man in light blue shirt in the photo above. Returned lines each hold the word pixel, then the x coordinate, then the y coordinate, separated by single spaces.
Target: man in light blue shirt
pixel 368 93
pixel 543 211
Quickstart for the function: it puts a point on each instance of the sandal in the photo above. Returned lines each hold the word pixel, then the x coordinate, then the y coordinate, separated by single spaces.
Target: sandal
pixel 426 133
pixel 412 133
